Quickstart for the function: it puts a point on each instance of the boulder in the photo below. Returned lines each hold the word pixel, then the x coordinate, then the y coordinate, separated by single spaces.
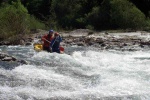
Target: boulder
pixel 7 58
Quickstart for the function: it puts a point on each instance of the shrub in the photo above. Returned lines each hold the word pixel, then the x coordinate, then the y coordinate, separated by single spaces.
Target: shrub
pixel 125 15
pixel 35 23
pixel 14 19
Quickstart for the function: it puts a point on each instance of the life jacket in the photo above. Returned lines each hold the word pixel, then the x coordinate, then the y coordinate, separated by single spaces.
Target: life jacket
pixel 45 39
pixel 55 44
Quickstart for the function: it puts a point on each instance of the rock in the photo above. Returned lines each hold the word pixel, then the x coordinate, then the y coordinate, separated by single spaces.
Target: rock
pixel 28 43
pixel 99 41
pixel 81 44
pixel 22 42
pixel 145 43
pixel 5 43
pixel 5 57
pixel 103 45
pixel 8 59
pixel 63 44
pixel 69 41
pixel 80 31
pixel 22 61
pixel 85 37
pixel 106 33
pixel 30 39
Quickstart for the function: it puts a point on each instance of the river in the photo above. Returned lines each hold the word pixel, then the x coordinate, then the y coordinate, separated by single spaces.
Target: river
pixel 79 74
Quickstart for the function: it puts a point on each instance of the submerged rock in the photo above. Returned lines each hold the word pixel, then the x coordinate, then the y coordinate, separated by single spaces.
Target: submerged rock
pixel 6 59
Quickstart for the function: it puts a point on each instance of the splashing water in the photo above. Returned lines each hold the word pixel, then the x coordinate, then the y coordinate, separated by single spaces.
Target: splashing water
pixel 84 74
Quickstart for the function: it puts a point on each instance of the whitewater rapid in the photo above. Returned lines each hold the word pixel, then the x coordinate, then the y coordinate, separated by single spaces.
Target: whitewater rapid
pixel 80 73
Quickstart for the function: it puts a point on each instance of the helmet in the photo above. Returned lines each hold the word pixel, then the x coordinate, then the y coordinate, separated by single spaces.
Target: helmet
pixel 51 31
pixel 56 34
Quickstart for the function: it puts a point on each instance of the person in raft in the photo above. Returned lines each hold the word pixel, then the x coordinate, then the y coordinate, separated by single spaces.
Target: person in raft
pixel 47 40
pixel 55 43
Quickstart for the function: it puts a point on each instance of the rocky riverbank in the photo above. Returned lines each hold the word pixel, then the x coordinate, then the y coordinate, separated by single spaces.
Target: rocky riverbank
pixel 85 37
pixel 129 41
pixel 104 40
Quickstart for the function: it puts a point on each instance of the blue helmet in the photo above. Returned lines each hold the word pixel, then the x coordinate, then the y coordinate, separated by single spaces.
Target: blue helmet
pixel 51 31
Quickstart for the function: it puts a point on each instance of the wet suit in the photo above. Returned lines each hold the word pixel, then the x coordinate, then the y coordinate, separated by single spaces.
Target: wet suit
pixel 55 43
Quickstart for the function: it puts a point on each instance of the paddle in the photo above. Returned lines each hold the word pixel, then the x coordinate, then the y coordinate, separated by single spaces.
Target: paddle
pixel 38 47
pixel 46 40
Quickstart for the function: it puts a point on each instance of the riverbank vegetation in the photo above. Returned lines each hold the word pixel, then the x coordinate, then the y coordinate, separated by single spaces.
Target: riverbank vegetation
pixel 15 20
pixel 21 16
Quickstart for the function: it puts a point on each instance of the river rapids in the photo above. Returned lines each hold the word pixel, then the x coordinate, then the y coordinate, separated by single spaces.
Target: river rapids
pixel 81 73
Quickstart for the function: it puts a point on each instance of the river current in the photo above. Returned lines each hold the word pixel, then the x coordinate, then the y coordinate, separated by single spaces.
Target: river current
pixel 79 74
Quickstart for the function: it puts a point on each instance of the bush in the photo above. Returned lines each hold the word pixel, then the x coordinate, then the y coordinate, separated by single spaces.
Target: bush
pixel 14 19
pixel 35 23
pixel 125 15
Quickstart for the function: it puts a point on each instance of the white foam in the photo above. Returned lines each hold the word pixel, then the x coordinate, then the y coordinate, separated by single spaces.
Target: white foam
pixel 82 74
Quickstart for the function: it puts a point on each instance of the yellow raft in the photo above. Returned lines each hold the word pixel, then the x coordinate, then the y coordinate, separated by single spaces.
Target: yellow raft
pixel 39 47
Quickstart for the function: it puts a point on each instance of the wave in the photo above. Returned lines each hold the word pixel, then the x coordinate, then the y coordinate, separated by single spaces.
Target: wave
pixel 81 74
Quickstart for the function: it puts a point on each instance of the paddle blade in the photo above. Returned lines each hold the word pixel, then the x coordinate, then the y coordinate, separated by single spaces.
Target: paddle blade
pixel 61 48
pixel 38 47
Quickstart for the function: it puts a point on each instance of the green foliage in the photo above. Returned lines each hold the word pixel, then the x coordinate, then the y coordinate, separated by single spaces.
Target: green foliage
pixel 125 15
pixel 14 19
pixel 65 12
pixel 147 27
pixel 34 23
pixel 71 14
pixel 90 27
pixel 94 15
pixel 39 8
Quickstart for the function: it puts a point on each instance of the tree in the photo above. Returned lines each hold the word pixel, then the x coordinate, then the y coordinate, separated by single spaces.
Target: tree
pixel 15 20
pixel 125 15
pixel 38 8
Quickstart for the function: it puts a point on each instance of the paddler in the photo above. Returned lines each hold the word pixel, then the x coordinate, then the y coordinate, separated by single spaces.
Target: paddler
pixel 47 40
pixel 55 43
pixel 52 42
